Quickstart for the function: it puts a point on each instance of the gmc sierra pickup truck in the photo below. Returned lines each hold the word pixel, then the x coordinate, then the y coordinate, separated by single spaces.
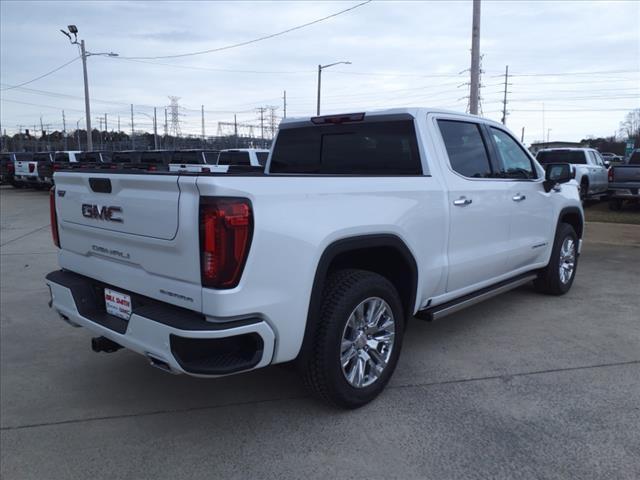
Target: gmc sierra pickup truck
pixel 624 182
pixel 358 223
pixel 590 168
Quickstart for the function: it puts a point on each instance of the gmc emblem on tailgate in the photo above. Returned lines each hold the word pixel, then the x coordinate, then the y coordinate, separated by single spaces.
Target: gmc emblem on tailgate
pixel 110 214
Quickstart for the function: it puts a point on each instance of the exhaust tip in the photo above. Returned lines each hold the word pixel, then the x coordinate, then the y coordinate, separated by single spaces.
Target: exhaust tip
pixel 161 364
pixel 103 344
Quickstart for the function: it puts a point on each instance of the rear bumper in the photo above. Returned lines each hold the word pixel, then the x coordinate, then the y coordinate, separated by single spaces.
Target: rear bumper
pixel 178 340
pixel 631 190
pixel 32 179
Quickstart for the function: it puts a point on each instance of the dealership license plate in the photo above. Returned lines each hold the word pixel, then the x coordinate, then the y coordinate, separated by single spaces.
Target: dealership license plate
pixel 118 304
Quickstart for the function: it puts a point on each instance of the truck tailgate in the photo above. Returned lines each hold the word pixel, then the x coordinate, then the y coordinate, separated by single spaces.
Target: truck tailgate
pixel 136 232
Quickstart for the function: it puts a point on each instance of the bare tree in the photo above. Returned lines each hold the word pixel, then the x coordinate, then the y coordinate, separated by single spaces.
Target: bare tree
pixel 630 126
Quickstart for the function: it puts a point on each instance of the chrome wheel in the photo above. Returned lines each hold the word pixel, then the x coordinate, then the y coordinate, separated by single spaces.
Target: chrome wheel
pixel 367 342
pixel 567 259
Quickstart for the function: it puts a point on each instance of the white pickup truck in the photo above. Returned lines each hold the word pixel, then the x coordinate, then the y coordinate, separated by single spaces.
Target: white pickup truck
pixel 590 168
pixel 359 222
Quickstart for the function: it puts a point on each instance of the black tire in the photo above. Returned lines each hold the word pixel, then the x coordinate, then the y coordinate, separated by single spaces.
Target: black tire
pixel 323 373
pixel 584 191
pixel 615 204
pixel 549 280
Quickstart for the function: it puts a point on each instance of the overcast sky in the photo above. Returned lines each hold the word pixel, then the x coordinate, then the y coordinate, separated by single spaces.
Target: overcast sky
pixel 581 60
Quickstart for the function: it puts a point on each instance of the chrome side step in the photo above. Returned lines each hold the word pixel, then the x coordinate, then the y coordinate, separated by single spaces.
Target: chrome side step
pixel 441 311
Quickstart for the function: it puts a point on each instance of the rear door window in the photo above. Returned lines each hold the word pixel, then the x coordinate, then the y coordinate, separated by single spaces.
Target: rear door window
pixel 368 148
pixel 61 157
pixel 466 149
pixel 234 158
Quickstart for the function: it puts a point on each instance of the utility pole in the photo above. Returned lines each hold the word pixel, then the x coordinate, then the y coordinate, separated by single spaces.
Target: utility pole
pixel 155 129
pixel 235 128
pixel 504 101
pixel 64 131
pixel 475 60
pixel 284 98
pixel 543 130
pixel 319 88
pixel 106 137
pixel 118 123
pixel 522 136
pixel 202 115
pixel 100 130
pixel 133 134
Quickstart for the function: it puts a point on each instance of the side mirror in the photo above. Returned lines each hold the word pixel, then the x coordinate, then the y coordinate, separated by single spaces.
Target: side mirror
pixel 607 163
pixel 557 173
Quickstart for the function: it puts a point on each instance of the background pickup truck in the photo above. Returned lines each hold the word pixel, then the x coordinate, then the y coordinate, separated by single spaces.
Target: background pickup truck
pixel 359 222
pixel 8 166
pixel 591 171
pixel 624 182
pixel 36 171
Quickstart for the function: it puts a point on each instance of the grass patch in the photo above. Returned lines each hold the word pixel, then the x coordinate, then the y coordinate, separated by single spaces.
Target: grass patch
pixel 599 212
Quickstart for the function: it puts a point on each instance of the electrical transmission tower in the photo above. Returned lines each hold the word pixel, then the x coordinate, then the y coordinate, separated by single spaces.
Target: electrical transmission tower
pixel 273 120
pixel 174 110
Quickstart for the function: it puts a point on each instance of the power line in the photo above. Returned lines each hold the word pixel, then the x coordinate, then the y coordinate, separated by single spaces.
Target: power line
pixel 561 74
pixel 255 40
pixel 41 76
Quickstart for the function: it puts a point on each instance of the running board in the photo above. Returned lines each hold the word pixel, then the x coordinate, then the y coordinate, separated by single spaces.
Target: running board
pixel 440 311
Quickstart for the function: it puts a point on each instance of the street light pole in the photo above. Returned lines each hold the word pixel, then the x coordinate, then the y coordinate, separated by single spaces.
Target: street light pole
pixel 319 86
pixel 320 68
pixel 87 107
pixel 84 54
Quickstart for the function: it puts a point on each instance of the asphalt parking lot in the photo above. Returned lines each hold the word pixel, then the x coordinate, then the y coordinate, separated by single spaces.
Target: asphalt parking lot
pixel 521 386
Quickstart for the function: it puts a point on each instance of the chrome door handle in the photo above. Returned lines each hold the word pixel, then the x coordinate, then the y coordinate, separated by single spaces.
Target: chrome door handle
pixel 518 198
pixel 462 201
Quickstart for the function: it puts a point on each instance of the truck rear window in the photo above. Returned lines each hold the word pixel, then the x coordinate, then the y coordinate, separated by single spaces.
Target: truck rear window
pixel 562 156
pixel 368 148
pixel 42 157
pixel 124 157
pixel 234 158
pixel 190 158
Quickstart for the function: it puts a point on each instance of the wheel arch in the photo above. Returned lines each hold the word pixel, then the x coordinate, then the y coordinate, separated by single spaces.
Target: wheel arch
pixel 385 254
pixel 573 216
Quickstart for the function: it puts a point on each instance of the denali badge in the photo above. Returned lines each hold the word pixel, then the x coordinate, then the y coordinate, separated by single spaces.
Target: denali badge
pixel 111 214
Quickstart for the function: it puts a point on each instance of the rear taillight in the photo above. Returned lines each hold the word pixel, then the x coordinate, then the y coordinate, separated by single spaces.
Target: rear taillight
pixel 56 167
pixel 32 168
pixel 54 217
pixel 206 170
pixel 152 168
pixel 226 226
pixel 610 174
pixel 11 167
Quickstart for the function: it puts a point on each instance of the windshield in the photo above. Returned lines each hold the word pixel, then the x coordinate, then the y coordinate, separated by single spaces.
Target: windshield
pixel 562 156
